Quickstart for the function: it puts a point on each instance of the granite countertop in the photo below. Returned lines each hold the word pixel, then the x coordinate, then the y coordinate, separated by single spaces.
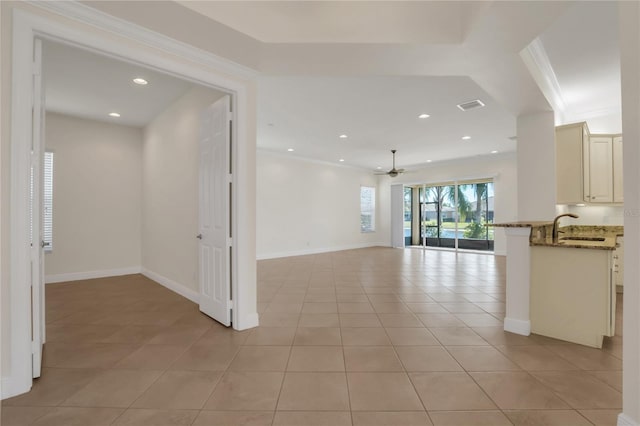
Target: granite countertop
pixel 597 237
pixel 521 224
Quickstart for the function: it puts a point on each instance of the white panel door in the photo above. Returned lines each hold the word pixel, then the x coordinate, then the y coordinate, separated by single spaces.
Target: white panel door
pixel 397 215
pixel 37 215
pixel 214 212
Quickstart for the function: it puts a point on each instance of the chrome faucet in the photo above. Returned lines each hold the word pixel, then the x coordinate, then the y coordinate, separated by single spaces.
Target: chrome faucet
pixel 555 231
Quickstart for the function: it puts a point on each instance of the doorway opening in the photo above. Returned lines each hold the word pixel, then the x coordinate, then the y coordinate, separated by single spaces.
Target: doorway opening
pixel 27 29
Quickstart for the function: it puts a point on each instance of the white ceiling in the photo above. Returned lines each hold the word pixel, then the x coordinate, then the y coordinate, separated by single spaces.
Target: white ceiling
pixel 378 114
pixel 582 47
pixel 83 84
pixel 341 21
pixel 368 68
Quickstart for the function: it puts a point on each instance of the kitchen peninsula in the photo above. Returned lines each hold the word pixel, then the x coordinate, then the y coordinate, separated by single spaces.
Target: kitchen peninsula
pixel 570 283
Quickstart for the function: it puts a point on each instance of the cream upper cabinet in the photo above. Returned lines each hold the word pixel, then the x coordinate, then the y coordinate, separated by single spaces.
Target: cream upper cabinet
pixel 588 167
pixel 618 194
pixel 600 170
pixel 570 144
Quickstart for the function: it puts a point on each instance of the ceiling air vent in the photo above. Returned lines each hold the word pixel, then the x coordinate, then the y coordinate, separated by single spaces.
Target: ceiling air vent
pixel 513 138
pixel 466 106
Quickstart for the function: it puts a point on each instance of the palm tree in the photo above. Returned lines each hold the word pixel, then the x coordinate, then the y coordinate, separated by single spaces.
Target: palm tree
pixel 464 206
pixel 481 194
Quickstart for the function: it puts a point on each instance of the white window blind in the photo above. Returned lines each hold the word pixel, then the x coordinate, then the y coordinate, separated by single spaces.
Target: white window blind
pixel 48 201
pixel 367 209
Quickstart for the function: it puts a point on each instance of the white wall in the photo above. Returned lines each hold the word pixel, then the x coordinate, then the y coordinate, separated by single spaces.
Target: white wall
pixel 97 188
pixel 502 168
pixel 630 68
pixel 308 207
pixel 536 166
pixel 170 190
pixel 594 215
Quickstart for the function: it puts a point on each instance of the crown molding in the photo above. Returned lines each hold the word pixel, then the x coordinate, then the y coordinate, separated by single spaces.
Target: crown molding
pixel 103 21
pixel 538 63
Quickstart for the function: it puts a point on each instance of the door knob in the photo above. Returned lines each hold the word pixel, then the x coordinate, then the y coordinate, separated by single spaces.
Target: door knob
pixel 199 236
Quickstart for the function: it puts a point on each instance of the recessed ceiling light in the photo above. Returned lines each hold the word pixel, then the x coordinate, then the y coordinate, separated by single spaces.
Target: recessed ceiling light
pixel 494 152
pixel 424 116
pixel 290 149
pixel 114 114
pixel 343 136
pixel 341 160
pixel 141 81
pixel 379 168
pixel 428 161
pixel 466 138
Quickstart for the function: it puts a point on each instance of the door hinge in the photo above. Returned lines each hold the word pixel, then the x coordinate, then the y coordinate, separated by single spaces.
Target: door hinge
pixel 230 305
pixel 35 68
pixel 34 346
pixel 229 242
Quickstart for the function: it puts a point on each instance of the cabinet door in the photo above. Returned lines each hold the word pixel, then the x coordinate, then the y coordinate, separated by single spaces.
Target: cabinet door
pixel 618 193
pixel 618 262
pixel 586 138
pixel 600 169
pixel 569 164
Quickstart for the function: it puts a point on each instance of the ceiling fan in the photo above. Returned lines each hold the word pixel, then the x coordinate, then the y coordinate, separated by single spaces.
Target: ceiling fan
pixel 393 172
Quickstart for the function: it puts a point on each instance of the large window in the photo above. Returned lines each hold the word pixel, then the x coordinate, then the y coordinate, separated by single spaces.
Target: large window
pixel 367 209
pixel 456 214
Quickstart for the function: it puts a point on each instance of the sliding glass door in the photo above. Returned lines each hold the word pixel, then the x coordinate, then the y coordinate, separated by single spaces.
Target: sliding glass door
pixel 452 215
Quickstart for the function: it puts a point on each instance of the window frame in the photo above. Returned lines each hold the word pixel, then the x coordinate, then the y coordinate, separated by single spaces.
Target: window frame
pixel 371 211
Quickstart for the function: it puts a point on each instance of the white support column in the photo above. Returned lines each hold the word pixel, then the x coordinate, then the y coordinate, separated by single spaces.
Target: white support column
pixel 630 70
pixel 536 166
pixel 518 278
pixel 536 202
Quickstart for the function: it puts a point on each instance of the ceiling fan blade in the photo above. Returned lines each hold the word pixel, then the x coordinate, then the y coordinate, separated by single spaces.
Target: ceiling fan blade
pixel 399 170
pixel 380 173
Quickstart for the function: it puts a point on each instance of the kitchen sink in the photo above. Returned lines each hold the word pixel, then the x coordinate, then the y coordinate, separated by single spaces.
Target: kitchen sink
pixel 582 238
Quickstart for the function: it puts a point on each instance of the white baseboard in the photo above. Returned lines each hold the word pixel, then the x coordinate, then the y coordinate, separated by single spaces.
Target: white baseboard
pixel 624 420
pixel 88 275
pixel 247 322
pixel 181 289
pixel 9 387
pixel 517 326
pixel 303 252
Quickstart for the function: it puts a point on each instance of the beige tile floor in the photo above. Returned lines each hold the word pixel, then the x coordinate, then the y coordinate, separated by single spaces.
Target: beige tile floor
pixel 362 337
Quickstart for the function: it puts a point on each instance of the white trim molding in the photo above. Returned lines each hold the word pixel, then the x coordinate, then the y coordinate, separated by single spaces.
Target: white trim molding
pixel 9 387
pixel 318 250
pixel 88 15
pixel 88 275
pixel 517 326
pixel 537 61
pixel 624 420
pixel 174 286
pixel 110 36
